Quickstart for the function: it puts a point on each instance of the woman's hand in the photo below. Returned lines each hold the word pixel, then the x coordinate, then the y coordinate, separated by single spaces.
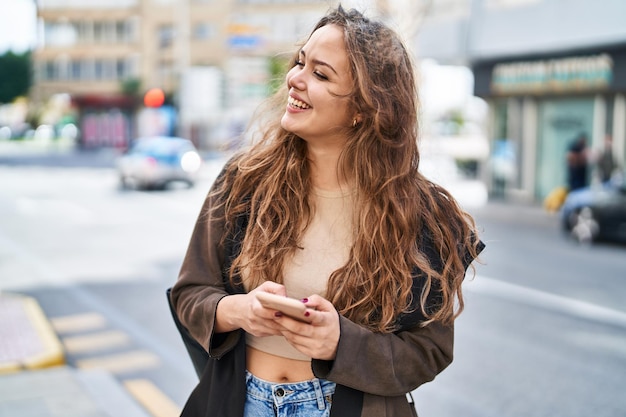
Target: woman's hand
pixel 318 339
pixel 244 311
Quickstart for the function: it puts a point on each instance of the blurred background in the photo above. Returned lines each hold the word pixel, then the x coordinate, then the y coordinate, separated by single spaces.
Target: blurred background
pixel 94 221
pixel 505 85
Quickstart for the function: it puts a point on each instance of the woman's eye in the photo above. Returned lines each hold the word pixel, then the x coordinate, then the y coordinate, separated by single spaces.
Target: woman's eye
pixel 300 63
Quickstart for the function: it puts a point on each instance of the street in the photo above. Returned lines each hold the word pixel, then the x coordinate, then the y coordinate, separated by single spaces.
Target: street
pixel 543 332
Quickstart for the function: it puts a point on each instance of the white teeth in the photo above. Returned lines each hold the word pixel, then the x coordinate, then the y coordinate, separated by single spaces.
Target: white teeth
pixel 297 103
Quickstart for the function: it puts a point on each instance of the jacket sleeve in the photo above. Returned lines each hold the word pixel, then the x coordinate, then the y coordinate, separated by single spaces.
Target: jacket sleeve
pixel 392 364
pixel 200 285
pixel 388 364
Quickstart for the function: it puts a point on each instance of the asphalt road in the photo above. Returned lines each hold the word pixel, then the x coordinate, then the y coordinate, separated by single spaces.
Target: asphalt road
pixel 543 333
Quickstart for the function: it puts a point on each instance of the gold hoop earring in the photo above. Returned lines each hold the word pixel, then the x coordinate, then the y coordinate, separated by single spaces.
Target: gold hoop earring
pixel 353 122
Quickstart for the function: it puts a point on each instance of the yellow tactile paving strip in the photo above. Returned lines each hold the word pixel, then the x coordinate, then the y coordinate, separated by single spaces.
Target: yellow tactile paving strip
pixel 78 322
pixel 88 334
pixel 27 340
pixel 95 342
pixel 152 398
pixel 122 362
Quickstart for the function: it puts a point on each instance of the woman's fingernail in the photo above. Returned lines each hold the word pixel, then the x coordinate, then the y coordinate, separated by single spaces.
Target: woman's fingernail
pixel 305 300
pixel 278 314
pixel 307 314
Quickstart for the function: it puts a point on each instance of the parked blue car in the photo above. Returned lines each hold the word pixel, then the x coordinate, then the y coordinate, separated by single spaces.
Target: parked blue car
pixel 596 213
pixel 156 162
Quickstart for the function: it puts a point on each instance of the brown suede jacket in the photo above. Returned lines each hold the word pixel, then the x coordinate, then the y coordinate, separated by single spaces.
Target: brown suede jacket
pixel 373 371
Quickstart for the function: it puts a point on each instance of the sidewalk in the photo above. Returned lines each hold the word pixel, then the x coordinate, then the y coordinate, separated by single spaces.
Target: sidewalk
pixel 65 392
pixel 68 155
pixel 27 340
pixel 54 153
pixel 34 382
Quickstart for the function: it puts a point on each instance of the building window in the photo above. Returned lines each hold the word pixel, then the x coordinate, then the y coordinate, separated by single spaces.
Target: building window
pixel 122 34
pixel 110 69
pixel 60 33
pixel 104 69
pixel 75 70
pixel 49 71
pixel 98 32
pixel 61 68
pixel 203 31
pixel 166 36
pixel 121 69
pixel 87 69
pixel 165 72
pixel 99 69
pixel 64 65
pixel 85 31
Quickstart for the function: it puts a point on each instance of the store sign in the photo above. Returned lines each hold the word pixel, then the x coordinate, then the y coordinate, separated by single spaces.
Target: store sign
pixel 244 36
pixel 582 73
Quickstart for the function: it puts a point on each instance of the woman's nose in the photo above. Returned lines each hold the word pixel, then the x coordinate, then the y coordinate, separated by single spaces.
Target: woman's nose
pixel 295 78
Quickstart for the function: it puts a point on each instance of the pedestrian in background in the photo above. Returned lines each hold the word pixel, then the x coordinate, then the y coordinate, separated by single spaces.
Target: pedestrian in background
pixel 577 163
pixel 606 162
pixel 327 207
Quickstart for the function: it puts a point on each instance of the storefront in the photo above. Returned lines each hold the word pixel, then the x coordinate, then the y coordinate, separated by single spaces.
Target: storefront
pixel 540 104
pixel 105 121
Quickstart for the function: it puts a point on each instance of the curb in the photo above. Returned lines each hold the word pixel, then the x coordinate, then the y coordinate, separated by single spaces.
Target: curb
pixel 27 339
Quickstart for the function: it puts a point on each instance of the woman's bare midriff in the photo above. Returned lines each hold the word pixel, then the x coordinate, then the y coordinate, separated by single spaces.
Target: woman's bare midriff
pixel 277 369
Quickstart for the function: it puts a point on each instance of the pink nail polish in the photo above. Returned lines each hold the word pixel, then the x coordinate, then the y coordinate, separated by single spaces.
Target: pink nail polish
pixel 307 314
pixel 278 314
pixel 305 300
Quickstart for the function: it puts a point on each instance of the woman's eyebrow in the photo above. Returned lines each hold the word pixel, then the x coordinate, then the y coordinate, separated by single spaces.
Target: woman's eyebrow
pixel 318 62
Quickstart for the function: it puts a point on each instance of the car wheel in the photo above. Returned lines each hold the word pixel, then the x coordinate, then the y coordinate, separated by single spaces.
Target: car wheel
pixel 585 227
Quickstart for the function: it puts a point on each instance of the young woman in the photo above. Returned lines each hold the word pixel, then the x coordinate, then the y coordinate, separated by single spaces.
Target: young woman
pixel 327 207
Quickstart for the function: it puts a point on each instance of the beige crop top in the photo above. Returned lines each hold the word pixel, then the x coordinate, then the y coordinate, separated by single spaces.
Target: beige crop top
pixel 325 247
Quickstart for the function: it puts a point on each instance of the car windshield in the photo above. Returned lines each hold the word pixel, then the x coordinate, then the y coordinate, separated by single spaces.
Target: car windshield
pixel 160 146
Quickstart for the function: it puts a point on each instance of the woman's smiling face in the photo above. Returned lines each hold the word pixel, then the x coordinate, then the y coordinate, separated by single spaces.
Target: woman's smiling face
pixel 318 110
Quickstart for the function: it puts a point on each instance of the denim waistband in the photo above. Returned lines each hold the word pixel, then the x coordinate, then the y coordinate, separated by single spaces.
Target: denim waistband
pixel 313 389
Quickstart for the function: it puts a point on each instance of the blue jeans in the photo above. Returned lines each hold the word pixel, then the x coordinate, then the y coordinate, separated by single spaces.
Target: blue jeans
pixel 300 399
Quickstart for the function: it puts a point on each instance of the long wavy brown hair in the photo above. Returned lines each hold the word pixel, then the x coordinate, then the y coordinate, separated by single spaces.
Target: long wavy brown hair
pixel 395 205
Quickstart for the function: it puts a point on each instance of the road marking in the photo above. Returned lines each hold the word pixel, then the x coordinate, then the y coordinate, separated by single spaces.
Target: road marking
pixel 559 303
pixel 152 398
pixel 95 342
pixel 78 322
pixel 122 362
pixel 141 335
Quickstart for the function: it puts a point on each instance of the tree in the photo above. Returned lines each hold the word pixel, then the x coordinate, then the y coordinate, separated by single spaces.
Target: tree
pixel 131 87
pixel 279 65
pixel 15 75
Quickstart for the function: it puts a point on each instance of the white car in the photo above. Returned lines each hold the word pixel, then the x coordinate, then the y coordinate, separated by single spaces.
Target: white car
pixel 443 170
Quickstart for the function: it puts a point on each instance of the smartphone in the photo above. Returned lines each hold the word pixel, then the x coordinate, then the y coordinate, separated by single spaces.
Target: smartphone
pixel 288 306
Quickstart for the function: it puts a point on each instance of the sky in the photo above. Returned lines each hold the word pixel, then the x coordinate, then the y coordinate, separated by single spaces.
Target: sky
pixel 17 25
